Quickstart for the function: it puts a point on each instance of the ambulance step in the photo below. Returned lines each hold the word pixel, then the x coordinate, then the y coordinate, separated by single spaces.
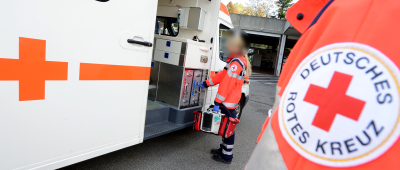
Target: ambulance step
pixel 159 129
pixel 162 119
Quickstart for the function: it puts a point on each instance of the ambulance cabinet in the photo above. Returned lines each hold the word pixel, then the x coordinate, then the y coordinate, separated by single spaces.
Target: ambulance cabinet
pixel 177 70
pixel 155 69
pixel 192 18
pixel 176 86
pixel 170 84
pixel 168 51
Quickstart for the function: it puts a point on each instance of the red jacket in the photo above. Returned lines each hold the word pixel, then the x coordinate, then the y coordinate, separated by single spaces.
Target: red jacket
pixel 230 82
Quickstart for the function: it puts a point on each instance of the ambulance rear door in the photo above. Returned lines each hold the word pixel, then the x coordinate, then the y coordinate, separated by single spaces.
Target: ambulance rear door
pixel 71 85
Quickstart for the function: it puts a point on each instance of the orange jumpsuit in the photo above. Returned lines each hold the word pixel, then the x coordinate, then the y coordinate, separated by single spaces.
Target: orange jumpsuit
pixel 230 82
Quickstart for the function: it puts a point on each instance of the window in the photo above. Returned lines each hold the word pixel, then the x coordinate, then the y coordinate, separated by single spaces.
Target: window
pixel 250 54
pixel 167 26
pixel 222 40
pixel 262 46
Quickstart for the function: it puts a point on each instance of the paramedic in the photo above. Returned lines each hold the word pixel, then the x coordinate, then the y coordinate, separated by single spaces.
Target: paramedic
pixel 330 112
pixel 230 82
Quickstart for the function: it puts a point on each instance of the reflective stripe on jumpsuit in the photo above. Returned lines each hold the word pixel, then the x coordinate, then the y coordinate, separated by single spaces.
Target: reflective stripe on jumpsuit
pixel 226 146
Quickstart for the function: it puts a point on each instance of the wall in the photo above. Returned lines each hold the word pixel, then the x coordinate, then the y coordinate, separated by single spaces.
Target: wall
pixel 259 24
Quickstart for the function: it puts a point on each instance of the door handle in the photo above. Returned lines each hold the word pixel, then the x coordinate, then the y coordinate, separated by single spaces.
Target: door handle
pixel 186 85
pixel 144 43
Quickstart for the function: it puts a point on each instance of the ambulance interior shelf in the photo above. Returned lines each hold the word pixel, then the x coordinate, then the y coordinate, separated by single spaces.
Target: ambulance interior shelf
pixel 166 26
pixel 191 18
pixel 177 86
pixel 187 18
pixel 181 52
pixel 178 66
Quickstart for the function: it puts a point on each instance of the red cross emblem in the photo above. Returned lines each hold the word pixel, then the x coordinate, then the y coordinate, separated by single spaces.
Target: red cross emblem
pixel 333 100
pixel 32 69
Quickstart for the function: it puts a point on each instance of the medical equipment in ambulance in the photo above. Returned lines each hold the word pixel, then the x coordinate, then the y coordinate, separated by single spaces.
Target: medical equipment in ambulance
pixel 210 121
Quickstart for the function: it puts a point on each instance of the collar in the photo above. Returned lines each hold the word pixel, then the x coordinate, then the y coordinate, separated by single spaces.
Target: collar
pixel 302 13
pixel 230 57
pixel 242 58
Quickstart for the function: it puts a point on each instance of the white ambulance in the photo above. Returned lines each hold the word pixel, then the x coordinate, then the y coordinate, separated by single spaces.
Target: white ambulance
pixel 79 79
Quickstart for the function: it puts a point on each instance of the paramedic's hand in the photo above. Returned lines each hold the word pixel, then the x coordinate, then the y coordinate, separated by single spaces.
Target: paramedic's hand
pixel 201 85
pixel 216 108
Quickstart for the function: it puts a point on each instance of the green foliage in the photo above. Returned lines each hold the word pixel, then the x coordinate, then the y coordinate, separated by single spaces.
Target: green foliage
pixel 240 8
pixel 283 6
pixel 259 8
pixel 232 8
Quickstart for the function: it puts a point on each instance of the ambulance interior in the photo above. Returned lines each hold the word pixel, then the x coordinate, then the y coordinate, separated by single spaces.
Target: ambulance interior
pixel 179 63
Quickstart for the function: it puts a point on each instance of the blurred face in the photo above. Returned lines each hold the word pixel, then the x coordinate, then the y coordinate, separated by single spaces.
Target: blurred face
pixel 233 45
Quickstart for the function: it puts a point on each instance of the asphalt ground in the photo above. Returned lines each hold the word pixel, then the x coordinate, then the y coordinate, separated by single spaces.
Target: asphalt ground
pixel 188 149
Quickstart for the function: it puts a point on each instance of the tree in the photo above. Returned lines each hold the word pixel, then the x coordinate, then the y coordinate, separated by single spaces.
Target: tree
pixel 283 6
pixel 232 9
pixel 259 8
pixel 240 7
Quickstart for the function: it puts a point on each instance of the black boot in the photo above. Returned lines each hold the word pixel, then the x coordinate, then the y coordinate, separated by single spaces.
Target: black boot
pixel 219 159
pixel 216 151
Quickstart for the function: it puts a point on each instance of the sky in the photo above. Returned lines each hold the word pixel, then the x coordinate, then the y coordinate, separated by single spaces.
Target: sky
pixel 234 1
pixel 272 12
pixel 240 1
